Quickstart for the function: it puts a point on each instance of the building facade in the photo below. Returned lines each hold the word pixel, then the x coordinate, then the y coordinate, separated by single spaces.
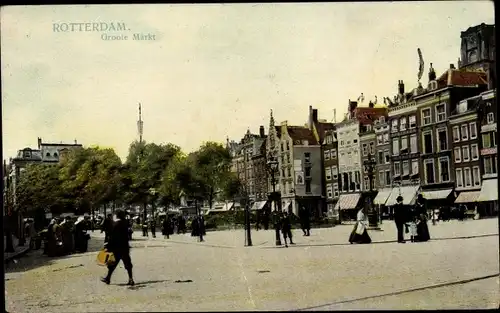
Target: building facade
pixel 383 174
pixel 330 164
pixel 367 140
pixel 273 155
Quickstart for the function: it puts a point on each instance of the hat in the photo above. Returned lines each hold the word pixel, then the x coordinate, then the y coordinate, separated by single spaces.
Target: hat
pixel 399 199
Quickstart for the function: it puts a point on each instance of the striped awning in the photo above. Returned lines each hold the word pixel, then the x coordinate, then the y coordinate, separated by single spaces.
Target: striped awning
pixel 347 201
pixel 258 205
pixel 489 191
pixel 409 194
pixel 467 196
pixel 382 196
pixel 436 194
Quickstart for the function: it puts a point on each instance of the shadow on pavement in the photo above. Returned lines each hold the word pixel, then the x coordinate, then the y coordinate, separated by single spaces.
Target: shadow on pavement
pixel 464 281
pixel 144 283
pixel 35 258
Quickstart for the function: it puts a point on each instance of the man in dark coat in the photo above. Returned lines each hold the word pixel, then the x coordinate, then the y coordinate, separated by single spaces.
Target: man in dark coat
pixel 67 231
pixel 118 244
pixel 305 222
pixel 145 228
pixel 106 227
pixel 400 218
pixel 286 228
pixel 152 224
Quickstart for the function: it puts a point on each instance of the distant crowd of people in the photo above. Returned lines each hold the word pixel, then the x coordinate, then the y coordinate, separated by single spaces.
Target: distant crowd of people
pixel 66 236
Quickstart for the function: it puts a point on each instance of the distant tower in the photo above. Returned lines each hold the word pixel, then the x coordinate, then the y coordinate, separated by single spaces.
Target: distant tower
pixel 140 124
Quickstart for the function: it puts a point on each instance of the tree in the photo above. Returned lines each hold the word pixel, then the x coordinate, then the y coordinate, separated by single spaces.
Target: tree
pixel 211 167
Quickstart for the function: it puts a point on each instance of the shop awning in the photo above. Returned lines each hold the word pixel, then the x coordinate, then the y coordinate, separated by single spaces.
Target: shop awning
pixel 409 194
pixel 489 191
pixel 347 201
pixel 467 196
pixel 382 196
pixel 258 205
pixel 437 194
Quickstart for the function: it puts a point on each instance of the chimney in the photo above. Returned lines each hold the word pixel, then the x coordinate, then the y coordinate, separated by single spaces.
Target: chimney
pixel 315 115
pixel 76 142
pixel 401 87
pixel 452 66
pixel 432 73
pixel 262 132
pixel 371 104
pixel 310 121
pixel 39 143
pixel 352 106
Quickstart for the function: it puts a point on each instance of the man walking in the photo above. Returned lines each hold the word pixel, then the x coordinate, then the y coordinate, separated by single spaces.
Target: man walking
pixel 286 228
pixel 118 244
pixel 152 224
pixel 400 218
pixel 145 228
pixel 305 221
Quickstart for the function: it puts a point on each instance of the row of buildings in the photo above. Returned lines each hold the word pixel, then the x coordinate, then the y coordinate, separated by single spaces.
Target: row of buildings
pixel 438 139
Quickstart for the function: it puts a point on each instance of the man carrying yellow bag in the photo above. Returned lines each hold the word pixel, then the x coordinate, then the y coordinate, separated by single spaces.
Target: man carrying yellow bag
pixel 117 248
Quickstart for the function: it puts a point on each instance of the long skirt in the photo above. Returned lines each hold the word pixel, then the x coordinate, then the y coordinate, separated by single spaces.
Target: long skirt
pixel 422 231
pixel 356 238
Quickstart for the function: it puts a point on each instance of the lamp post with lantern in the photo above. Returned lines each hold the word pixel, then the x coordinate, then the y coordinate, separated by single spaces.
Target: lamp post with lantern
pixel 372 214
pixel 272 167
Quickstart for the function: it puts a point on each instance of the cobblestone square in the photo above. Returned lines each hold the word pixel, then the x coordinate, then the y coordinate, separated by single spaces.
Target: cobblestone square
pixel 458 269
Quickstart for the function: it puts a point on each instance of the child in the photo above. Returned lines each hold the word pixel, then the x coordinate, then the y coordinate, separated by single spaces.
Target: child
pixel 413 229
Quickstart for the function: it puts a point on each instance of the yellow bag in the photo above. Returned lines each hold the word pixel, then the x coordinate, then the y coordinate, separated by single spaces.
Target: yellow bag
pixel 105 257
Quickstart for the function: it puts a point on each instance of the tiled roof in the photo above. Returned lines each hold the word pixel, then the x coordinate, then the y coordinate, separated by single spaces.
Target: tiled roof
pixel 301 133
pixel 454 77
pixel 368 115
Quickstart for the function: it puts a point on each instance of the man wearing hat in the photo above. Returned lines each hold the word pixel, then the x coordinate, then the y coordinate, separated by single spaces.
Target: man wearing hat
pixel 400 218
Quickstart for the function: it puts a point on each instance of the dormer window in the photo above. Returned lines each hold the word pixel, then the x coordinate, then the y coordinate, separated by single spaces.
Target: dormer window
pixel 433 85
pixel 55 155
pixel 47 155
pixel 381 119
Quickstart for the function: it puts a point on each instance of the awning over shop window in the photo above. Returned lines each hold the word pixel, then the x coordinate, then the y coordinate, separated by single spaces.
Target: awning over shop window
pixel 437 194
pixel 347 202
pixel 382 196
pixel 489 191
pixel 467 196
pixel 409 194
pixel 258 205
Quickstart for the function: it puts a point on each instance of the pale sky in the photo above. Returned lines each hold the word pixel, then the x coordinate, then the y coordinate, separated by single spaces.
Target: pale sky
pixel 213 70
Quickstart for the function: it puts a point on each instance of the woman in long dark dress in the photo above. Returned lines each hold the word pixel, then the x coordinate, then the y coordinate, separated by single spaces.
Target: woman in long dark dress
pixel 422 228
pixel 359 234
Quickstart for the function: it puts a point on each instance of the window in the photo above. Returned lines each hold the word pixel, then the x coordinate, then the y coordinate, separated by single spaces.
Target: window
pixel 380 139
pixel 308 186
pixel 465 132
pixel 414 167
pixel 494 140
pixel 474 152
pixel 406 168
pixel 397 169
pixel 365 149
pixel 473 130
pixel 427 142
pixel 426 116
pixel 467 177
pixel 459 177
pixel 394 128
pixel 342 142
pixel 328 173
pixel 47 155
pixel 372 148
pixel 386 138
pixel 355 141
pixel 381 178
pixel 335 172
pixel 287 145
pixel 329 191
pixel 490 118
pixel 282 147
pixel 486 141
pixel 402 123
pixel 465 154
pixel 413 143
pixel 366 183
pixel 404 144
pixel 456 134
pixel 457 152
pixel 380 157
pixel 387 157
pixel 327 155
pixel 290 171
pixel 395 146
pixel 388 178
pixel 444 169
pixel 429 171
pixel 476 176
pixel 413 121
pixel 307 157
pixel 329 139
pixel 490 164
pixel 381 119
pixel 442 139
pixel 440 112
pixel 333 153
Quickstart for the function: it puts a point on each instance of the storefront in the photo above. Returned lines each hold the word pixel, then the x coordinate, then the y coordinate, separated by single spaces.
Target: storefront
pixel 346 206
pixel 489 196
pixel 381 200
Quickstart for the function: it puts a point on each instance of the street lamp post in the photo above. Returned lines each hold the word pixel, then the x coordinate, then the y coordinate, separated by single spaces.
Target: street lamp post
pixel 369 167
pixel 272 166
pixel 247 222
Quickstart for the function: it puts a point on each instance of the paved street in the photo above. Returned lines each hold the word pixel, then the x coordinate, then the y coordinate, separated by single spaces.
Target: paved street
pixel 459 269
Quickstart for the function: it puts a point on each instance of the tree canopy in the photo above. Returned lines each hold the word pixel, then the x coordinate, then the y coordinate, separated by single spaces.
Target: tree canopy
pixel 152 173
